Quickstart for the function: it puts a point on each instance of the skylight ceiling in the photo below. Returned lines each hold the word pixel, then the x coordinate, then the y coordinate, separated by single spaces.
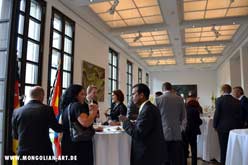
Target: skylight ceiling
pixel 171 61
pixel 129 12
pixel 166 52
pixel 146 38
pixel 200 60
pixel 209 9
pixel 203 50
pixel 210 33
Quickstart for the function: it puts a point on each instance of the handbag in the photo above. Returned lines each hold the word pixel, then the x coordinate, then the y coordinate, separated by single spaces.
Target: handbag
pixel 77 132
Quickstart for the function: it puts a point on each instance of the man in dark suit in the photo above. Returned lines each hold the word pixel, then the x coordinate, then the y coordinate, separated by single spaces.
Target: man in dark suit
pixel 30 125
pixel 146 133
pixel 227 116
pixel 132 110
pixel 238 92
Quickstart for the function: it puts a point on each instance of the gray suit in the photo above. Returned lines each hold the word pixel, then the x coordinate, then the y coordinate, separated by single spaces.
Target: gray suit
pixel 172 110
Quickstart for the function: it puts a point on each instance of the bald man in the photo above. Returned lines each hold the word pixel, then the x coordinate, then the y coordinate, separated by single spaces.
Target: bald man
pixel 31 123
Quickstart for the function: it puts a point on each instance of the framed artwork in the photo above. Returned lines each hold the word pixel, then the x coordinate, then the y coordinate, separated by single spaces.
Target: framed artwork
pixel 185 90
pixel 94 75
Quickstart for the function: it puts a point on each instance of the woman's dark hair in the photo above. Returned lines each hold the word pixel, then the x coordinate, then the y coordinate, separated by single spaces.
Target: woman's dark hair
pixel 119 94
pixel 193 104
pixel 70 95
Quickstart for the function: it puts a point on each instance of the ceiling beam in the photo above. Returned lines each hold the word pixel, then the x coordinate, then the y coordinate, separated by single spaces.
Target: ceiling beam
pixel 86 2
pixel 157 58
pixel 218 21
pixel 202 56
pixel 141 28
pixel 212 43
pixel 149 47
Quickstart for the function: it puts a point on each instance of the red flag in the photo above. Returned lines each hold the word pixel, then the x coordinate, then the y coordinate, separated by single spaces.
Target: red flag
pixel 55 104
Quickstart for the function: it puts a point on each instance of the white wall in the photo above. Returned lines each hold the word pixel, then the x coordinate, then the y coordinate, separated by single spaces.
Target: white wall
pixel 90 46
pixel 235 71
pixel 205 81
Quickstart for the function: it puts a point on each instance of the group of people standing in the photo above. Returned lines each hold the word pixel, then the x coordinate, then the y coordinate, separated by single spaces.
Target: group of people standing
pixel 161 132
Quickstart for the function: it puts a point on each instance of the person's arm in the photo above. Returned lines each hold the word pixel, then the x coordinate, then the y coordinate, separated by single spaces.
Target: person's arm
pixel 86 120
pixel 123 110
pixel 53 122
pixel 217 113
pixel 142 127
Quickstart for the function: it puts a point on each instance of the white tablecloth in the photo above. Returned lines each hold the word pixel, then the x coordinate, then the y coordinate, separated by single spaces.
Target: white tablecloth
pixel 112 147
pixel 237 149
pixel 208 143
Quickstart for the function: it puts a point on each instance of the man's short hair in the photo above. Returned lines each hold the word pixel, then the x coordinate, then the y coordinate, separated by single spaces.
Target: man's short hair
pixel 158 93
pixel 240 89
pixel 226 88
pixel 167 86
pixel 90 88
pixel 143 88
pixel 36 92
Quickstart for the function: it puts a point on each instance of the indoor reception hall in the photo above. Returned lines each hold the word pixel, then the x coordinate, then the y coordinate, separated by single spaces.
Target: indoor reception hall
pixel 123 82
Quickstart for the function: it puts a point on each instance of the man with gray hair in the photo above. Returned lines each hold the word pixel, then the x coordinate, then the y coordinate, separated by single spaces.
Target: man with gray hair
pixel 30 126
pixel 172 110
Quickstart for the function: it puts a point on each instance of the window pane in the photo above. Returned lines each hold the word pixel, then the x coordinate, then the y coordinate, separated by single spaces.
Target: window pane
pixel 109 86
pixel 4 35
pixel 26 93
pixel 109 71
pixel 3 61
pixel 19 47
pixel 31 74
pixel 57 23
pixel 2 96
pixel 53 75
pixel 67 63
pixel 5 9
pixel 33 52
pixel 56 40
pixel 114 74
pixel 35 10
pixel 113 86
pixel 110 57
pixel 68 29
pixel 55 58
pixel 34 30
pixel 22 5
pixel 66 80
pixel 68 46
pixel 21 24
pixel 115 60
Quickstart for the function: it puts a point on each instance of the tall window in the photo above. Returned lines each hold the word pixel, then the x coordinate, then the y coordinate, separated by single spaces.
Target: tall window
pixel 113 73
pixel 129 80
pixel 30 43
pixel 139 75
pixel 147 79
pixel 61 49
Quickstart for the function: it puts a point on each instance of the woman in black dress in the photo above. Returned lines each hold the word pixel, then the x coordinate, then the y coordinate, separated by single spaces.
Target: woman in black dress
pixel 117 107
pixel 79 112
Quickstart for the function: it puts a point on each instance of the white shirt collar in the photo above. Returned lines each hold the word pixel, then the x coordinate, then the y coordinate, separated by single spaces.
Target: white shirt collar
pixel 142 105
pixel 166 91
pixel 241 97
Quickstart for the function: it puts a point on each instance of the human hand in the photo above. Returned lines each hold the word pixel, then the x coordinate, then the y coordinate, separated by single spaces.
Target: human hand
pixel 122 118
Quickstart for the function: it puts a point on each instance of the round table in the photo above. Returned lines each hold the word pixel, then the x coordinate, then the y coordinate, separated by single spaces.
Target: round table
pixel 237 148
pixel 112 147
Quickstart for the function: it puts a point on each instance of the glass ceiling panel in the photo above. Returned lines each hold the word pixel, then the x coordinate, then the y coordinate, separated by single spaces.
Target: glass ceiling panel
pixel 200 60
pixel 146 38
pixel 129 12
pixel 203 50
pixel 161 62
pixel 211 33
pixel 155 52
pixel 209 9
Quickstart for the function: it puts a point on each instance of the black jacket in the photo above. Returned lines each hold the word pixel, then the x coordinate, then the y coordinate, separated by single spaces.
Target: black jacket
pixel 30 125
pixel 228 114
pixel 147 136
pixel 244 106
pixel 118 110
pixel 193 121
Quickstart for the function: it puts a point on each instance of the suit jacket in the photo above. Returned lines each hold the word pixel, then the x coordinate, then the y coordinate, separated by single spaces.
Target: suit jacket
pixel 30 125
pixel 193 121
pixel 117 110
pixel 132 110
pixel 147 136
pixel 244 106
pixel 228 114
pixel 172 110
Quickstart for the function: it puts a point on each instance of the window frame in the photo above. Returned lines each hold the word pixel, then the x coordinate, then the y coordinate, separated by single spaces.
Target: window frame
pixel 62 52
pixel 111 65
pixel 147 79
pixel 129 85
pixel 139 75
